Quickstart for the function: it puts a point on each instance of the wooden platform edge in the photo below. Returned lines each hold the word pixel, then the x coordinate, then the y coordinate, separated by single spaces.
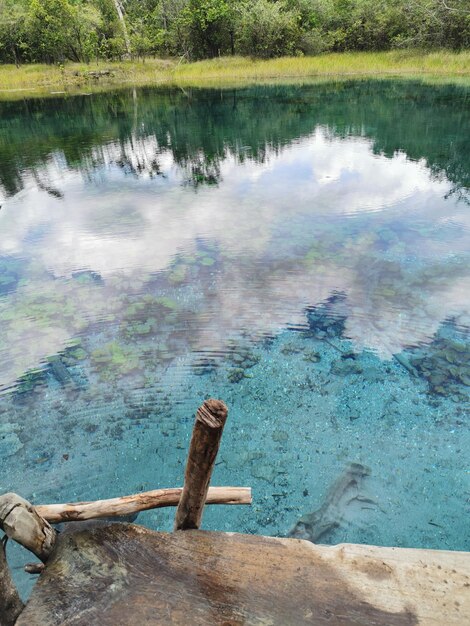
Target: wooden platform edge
pixel 219 576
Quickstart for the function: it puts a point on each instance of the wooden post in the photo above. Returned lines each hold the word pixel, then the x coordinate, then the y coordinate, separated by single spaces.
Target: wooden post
pixel 10 602
pixel 20 521
pixel 205 440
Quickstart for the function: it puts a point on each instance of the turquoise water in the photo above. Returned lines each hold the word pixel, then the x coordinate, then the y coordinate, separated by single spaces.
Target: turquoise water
pixel 299 252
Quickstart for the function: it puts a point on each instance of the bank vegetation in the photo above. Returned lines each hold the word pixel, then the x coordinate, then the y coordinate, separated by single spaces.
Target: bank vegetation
pixel 41 79
pixel 57 31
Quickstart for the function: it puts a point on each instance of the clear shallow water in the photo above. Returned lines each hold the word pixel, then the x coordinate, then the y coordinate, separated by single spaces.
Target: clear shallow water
pixel 300 252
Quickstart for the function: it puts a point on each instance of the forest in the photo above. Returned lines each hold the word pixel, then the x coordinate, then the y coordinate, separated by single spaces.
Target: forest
pixel 56 31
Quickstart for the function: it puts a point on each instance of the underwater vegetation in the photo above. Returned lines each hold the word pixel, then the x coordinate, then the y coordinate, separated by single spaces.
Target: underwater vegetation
pixel 189 267
pixel 60 366
pixel 30 381
pixel 87 276
pixel 239 360
pixel 114 360
pixel 445 362
pixel 328 319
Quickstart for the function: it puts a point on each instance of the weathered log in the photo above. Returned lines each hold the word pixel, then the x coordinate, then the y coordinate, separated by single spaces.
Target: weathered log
pixel 125 505
pixel 345 491
pixel 10 602
pixel 104 575
pixel 205 441
pixel 20 521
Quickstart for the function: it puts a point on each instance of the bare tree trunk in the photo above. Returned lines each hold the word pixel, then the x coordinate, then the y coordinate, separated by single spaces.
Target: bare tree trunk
pixel 17 64
pixel 120 12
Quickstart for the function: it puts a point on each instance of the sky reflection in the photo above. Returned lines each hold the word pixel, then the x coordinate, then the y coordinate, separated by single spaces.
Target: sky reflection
pixel 322 215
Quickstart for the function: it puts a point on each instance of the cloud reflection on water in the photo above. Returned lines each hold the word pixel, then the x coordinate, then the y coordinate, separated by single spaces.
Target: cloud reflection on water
pixel 321 215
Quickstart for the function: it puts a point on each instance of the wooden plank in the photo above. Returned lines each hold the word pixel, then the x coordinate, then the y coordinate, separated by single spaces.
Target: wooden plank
pixel 125 574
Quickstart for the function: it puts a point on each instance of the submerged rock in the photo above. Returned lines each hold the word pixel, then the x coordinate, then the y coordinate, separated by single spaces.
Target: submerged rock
pixel 10 443
pixel 312 356
pixel 291 348
pixel 346 367
pixel 244 358
pixel 236 374
pixel 328 319
pixel 280 436
pixel 264 472
pixel 444 364
pixel 203 367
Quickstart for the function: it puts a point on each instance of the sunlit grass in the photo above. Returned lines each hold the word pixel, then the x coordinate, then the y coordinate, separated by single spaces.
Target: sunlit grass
pixel 46 78
pixel 73 77
pixel 410 62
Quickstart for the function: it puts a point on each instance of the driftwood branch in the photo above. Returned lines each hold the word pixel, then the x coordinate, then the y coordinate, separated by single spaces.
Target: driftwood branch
pixel 10 602
pixel 20 521
pixel 205 441
pixel 126 505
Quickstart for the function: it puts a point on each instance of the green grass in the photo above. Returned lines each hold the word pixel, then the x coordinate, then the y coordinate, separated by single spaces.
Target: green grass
pixel 338 64
pixel 228 71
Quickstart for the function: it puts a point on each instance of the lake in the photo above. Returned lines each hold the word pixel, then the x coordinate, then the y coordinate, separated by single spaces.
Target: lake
pixel 301 252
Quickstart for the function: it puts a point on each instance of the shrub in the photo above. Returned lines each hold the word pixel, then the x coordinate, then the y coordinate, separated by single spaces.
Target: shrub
pixel 267 29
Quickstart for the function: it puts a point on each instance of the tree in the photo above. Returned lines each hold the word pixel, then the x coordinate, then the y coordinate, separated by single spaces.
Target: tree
pixel 111 42
pixel 85 28
pixel 268 29
pixel 57 30
pixel 52 28
pixel 433 23
pixel 208 25
pixel 12 31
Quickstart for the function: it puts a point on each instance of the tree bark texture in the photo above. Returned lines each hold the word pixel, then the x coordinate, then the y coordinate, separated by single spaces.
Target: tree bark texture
pixel 126 505
pixel 116 574
pixel 205 441
pixel 10 602
pixel 20 521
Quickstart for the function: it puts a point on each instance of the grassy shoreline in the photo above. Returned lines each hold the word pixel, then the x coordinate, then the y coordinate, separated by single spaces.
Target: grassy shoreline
pixel 41 80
